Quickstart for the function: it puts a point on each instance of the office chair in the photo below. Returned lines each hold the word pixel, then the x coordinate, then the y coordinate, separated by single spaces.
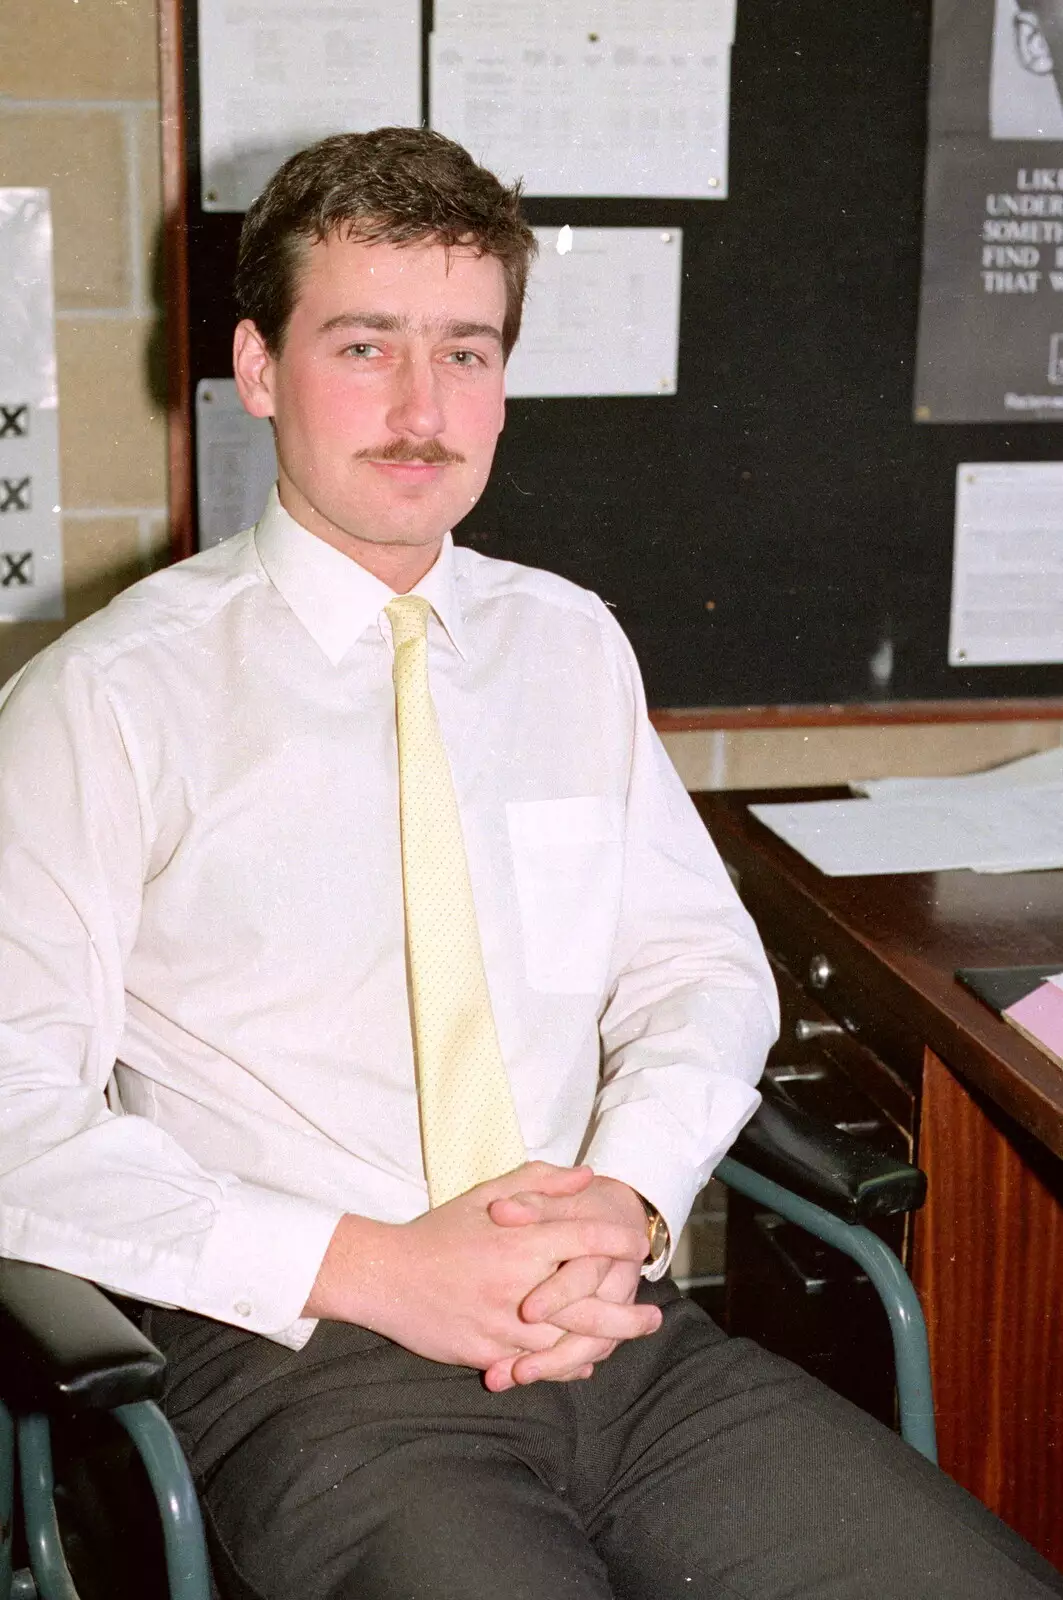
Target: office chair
pixel 66 1350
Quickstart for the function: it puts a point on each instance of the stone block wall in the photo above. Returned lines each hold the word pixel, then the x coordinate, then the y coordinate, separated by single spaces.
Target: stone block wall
pixel 79 116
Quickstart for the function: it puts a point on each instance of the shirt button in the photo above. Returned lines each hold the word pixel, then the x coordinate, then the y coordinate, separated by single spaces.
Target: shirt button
pixel 242 1308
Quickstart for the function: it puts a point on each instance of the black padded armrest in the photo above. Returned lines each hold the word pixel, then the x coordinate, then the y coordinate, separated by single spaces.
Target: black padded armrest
pixel 824 1164
pixel 64 1345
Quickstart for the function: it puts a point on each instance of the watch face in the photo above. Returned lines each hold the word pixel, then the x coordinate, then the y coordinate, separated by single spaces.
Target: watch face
pixel 658 1237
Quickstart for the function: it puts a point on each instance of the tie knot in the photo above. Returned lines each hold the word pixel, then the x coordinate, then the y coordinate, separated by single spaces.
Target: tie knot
pixel 408 614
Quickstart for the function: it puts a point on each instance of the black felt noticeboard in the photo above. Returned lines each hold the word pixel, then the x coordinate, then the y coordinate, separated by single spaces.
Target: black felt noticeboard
pixel 779 532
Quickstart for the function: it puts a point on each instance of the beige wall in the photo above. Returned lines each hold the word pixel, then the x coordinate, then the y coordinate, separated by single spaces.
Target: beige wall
pixel 79 115
pixel 749 759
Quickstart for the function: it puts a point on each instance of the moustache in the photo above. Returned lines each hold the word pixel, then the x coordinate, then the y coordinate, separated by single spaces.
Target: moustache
pixel 430 451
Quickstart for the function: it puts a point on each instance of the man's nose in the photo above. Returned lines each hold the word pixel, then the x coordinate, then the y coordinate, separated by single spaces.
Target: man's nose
pixel 415 407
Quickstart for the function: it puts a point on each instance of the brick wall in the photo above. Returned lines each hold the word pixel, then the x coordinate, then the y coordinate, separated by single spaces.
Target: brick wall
pixel 79 116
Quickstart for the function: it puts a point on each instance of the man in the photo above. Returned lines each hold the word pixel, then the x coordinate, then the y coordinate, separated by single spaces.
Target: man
pixel 225 880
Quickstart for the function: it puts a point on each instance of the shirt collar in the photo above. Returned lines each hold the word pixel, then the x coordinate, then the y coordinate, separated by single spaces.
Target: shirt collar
pixel 334 598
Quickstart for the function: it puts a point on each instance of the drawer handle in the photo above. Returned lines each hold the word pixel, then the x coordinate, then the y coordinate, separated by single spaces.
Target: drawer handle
pixel 814 1265
pixel 820 971
pixel 813 1073
pixel 805 1030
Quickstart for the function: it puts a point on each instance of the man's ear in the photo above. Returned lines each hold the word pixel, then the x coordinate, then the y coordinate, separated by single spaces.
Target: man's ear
pixel 253 368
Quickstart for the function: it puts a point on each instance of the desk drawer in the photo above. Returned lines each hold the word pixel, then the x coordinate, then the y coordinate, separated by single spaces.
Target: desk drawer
pixel 825 974
pixel 784 1288
pixel 834 1074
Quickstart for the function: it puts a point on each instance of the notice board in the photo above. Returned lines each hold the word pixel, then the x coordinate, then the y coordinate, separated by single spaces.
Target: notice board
pixel 776 538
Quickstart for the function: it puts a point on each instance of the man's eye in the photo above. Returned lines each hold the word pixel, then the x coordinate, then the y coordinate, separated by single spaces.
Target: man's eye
pixel 466 358
pixel 361 350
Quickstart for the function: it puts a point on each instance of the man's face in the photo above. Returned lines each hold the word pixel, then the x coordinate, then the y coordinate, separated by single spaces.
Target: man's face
pixel 387 396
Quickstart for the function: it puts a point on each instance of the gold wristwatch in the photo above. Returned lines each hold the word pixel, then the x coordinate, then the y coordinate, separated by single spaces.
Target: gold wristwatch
pixel 656 1232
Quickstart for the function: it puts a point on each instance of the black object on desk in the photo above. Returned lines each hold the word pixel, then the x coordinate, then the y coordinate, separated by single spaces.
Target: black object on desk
pixel 1000 987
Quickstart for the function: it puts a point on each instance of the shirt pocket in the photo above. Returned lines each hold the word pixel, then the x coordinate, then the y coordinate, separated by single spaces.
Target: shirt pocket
pixel 568 868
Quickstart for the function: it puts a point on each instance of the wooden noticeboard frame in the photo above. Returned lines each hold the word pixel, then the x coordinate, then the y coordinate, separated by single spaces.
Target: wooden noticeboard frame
pixel 175 270
pixel 786 479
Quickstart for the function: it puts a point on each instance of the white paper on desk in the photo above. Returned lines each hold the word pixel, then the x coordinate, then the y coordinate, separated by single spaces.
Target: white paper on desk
pixel 592 16
pixel 31 553
pixel 1007 564
pixel 1050 863
pixel 589 114
pixel 275 75
pixel 1026 772
pixel 602 315
pixel 1035 816
pixel 1017 831
pixel 236 462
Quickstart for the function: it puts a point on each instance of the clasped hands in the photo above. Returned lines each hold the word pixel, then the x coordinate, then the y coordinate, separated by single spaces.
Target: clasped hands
pixel 586 1307
pixel 529 1277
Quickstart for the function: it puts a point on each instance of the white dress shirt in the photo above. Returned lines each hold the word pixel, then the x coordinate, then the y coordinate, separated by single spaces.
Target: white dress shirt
pixel 205 1048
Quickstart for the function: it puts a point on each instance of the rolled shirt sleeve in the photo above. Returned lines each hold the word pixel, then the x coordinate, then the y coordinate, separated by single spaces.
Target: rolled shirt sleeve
pixel 104 1195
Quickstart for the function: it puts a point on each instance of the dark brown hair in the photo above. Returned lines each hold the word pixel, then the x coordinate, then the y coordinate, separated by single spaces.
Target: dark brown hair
pixel 397 185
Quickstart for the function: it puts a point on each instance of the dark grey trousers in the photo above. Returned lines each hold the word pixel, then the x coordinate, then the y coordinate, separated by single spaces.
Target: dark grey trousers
pixel 690 1466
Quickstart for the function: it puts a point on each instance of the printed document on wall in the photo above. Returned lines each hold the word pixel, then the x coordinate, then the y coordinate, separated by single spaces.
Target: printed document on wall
pixel 590 16
pixel 236 462
pixel 589 113
pixel 1007 564
pixel 275 75
pixel 602 314
pixel 31 555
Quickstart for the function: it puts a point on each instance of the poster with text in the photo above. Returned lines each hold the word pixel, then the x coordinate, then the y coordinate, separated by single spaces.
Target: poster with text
pixel 991 306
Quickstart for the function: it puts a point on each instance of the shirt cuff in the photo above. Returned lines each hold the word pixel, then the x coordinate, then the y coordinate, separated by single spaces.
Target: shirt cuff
pixel 636 1145
pixel 260 1262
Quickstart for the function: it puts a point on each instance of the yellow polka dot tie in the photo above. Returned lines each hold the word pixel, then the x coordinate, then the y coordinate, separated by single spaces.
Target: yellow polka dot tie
pixel 469 1128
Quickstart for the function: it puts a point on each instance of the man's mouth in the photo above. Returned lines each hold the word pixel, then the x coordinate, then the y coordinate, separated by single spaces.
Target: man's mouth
pixel 408 472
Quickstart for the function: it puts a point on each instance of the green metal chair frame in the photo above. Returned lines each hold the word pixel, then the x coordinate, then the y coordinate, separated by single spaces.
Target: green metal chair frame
pixel 79 1351
pixel 911 1352
pixel 28 1440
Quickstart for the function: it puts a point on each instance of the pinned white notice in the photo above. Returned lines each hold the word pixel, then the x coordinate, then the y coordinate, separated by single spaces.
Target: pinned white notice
pixel 1007 564
pixel 236 462
pixel 31 556
pixel 590 16
pixel 276 75
pixel 602 314
pixel 590 112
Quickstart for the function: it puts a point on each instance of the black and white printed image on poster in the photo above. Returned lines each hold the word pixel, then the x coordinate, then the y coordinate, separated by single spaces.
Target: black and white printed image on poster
pixel 31 560
pixel 1024 91
pixel 990 343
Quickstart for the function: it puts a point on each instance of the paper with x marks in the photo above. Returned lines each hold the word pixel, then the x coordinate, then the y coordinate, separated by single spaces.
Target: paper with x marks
pixel 31 562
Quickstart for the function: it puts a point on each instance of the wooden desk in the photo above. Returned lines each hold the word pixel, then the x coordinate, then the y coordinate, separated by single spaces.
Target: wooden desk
pixel 980 1108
